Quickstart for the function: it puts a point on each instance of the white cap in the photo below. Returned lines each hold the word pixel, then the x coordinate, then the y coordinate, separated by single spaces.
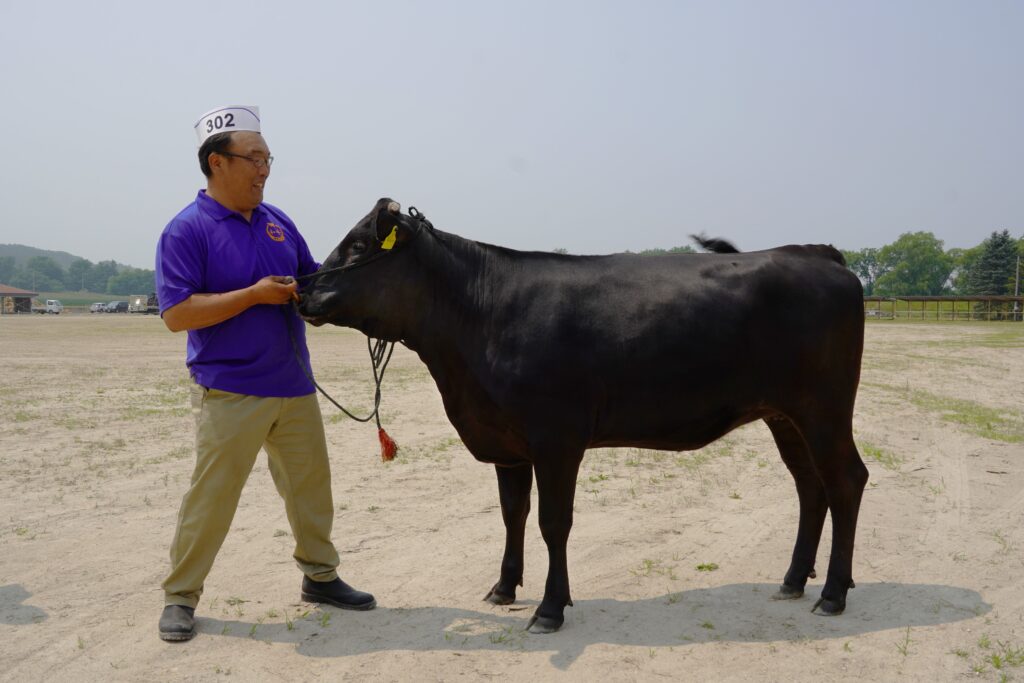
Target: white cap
pixel 228 119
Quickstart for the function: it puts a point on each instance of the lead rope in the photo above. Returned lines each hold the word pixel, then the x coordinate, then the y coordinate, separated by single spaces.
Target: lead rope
pixel 380 356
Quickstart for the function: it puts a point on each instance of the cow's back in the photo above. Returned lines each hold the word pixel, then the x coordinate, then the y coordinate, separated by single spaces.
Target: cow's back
pixel 671 351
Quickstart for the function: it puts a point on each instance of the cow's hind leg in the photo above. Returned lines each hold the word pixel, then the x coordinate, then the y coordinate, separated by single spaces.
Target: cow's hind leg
pixel 844 476
pixel 514 485
pixel 813 505
pixel 556 488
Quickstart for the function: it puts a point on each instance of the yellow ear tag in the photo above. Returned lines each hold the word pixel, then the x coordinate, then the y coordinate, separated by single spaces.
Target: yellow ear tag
pixel 389 241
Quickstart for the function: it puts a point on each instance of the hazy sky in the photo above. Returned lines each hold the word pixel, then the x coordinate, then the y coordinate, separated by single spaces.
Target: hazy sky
pixel 593 126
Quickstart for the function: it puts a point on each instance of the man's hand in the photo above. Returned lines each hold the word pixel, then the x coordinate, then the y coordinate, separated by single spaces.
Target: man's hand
pixel 203 310
pixel 275 289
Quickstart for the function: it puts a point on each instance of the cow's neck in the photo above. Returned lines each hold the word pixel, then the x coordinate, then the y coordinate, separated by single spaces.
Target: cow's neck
pixel 461 281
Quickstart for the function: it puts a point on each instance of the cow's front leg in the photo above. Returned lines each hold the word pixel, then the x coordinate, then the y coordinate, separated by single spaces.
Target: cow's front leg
pixel 556 487
pixel 514 485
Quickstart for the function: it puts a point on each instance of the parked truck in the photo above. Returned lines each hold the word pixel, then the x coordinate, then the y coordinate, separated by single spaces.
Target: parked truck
pixel 143 303
pixel 53 306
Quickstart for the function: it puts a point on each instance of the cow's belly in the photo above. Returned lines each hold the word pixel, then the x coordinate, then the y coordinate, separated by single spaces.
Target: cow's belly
pixel 673 431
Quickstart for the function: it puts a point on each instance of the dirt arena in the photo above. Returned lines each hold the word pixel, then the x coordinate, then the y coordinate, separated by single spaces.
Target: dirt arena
pixel 672 558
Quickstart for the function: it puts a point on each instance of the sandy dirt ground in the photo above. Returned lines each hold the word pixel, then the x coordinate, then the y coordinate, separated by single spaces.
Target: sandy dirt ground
pixel 672 558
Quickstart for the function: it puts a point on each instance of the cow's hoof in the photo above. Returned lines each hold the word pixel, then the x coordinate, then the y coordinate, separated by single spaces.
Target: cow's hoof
pixel 540 624
pixel 829 608
pixel 496 598
pixel 788 593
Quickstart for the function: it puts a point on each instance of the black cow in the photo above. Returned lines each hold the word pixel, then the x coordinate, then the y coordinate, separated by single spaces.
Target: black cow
pixel 541 356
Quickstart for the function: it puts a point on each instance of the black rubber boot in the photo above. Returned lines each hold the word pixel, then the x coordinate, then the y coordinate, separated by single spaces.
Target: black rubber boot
pixel 337 593
pixel 177 623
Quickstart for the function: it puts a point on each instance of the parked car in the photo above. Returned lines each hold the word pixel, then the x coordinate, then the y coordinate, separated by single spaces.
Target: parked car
pixel 117 307
pixel 98 307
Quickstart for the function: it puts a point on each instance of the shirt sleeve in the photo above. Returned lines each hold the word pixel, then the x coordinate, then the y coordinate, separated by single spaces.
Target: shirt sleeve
pixel 179 266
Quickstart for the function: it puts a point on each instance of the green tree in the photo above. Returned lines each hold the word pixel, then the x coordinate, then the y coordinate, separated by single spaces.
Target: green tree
pixel 964 263
pixel 39 274
pixel 866 266
pixel 7 268
pixel 46 267
pixel 132 281
pixel 994 271
pixel 914 265
pixel 99 275
pixel 78 275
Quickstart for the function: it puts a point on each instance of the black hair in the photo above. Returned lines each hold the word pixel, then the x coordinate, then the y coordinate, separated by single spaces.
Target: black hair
pixel 215 144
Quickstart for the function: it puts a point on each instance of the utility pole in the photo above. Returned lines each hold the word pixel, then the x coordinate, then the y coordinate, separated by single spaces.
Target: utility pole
pixel 1016 289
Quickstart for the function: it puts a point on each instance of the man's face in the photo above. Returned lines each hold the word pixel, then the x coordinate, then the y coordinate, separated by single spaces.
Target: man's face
pixel 241 179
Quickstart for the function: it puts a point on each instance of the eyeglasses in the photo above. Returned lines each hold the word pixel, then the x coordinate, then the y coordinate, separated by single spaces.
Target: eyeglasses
pixel 258 162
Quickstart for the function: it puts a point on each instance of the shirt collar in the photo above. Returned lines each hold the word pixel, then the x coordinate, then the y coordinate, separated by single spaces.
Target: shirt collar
pixel 218 211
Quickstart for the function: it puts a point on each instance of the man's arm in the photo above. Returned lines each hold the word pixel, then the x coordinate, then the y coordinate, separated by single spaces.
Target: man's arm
pixel 202 310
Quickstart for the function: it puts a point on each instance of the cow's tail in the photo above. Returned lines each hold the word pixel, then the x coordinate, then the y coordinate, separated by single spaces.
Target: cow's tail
pixel 719 246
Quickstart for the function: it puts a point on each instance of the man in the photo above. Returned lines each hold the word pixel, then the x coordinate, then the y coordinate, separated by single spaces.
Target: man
pixel 224 271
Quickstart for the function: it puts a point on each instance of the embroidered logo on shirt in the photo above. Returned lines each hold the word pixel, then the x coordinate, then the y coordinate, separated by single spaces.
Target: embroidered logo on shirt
pixel 275 232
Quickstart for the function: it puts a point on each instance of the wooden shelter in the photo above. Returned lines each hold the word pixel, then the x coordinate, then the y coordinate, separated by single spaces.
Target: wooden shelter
pixel 14 300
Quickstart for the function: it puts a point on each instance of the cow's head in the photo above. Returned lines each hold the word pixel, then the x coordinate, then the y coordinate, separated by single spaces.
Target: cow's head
pixel 360 283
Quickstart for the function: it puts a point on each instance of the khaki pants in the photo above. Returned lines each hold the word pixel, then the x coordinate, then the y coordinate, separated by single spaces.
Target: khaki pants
pixel 230 430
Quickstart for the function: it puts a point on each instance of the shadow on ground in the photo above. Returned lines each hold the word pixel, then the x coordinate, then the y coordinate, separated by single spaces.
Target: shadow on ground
pixel 733 613
pixel 12 609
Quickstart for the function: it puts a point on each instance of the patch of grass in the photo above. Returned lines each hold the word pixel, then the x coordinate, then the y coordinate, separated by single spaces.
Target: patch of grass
pixel 999 658
pixel 903 645
pixel 990 423
pixel 1004 545
pixel 507 636
pixel 884 458
pixel 649 568
pixel 999 336
pixel 978 419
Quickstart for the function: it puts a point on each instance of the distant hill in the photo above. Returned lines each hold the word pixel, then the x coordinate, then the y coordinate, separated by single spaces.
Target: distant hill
pixel 22 254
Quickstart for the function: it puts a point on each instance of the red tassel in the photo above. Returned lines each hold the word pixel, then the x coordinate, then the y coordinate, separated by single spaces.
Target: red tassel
pixel 388 447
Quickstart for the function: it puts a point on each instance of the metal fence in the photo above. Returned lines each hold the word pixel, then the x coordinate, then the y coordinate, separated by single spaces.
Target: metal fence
pixel 977 307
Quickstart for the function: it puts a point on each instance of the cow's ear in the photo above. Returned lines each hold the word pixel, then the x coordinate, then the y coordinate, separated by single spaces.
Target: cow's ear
pixel 391 228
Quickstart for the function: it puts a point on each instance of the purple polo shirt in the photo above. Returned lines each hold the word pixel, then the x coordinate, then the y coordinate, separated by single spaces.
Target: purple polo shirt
pixel 208 248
